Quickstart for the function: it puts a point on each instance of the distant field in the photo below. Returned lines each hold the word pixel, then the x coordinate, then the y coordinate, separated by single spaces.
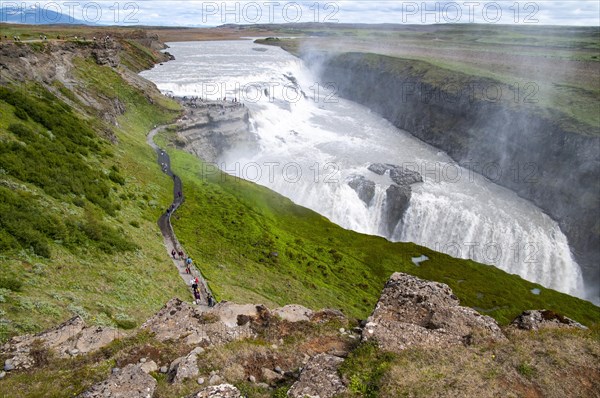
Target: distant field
pixel 555 67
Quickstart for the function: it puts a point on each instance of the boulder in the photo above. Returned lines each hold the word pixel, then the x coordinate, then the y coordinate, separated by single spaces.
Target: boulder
pixel 215 380
pixel 543 319
pixel 212 326
pixel 184 368
pixel 67 339
pixel 400 175
pixel 293 313
pixel 174 320
pixel 90 339
pixel 220 391
pixel 319 378
pixel 363 187
pixel 269 375
pixel 129 382
pixel 397 199
pixel 412 312
pixel 149 366
pixel 379 168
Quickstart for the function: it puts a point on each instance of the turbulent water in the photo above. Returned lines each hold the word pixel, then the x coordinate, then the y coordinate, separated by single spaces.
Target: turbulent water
pixel 311 142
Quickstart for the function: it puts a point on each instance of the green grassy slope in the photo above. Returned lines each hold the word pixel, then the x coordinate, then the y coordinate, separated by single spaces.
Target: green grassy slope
pixel 78 227
pixel 255 245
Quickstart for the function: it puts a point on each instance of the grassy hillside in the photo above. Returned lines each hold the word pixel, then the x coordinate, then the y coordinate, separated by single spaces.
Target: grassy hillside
pixel 78 213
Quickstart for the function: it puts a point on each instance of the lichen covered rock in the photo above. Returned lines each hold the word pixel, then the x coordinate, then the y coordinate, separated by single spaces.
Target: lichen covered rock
pixel 416 313
pixel 319 379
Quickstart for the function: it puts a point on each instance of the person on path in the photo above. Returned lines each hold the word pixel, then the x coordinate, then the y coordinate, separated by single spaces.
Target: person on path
pixel 173 253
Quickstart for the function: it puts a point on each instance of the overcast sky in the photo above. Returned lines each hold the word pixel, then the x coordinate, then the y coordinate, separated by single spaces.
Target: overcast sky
pixel 213 13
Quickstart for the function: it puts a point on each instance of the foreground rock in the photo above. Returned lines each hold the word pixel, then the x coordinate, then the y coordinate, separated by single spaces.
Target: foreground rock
pixel 544 319
pixel 185 367
pixel 208 326
pixel 220 391
pixel 221 324
pixel 416 313
pixel 320 378
pixel 293 313
pixel 130 382
pixel 67 339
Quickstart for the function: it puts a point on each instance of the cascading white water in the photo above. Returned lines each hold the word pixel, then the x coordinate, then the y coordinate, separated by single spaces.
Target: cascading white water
pixel 312 142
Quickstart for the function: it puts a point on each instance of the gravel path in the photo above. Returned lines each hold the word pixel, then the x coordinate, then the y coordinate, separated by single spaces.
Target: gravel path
pixel 164 222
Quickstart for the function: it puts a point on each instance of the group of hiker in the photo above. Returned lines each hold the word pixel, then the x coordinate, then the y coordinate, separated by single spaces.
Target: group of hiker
pixel 194 282
pixel 198 298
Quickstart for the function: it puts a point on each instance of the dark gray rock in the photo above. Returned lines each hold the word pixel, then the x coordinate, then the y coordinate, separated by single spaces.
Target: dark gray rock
pixel 363 187
pixel 379 168
pixel 399 174
pixel 403 176
pixel 396 202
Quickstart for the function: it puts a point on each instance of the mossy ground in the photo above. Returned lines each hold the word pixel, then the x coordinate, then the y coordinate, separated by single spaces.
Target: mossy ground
pixel 546 363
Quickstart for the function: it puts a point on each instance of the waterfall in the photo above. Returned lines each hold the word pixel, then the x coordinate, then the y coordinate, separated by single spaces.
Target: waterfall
pixel 312 143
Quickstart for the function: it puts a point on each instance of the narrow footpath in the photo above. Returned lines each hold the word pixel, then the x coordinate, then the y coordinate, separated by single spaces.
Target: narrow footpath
pixel 164 223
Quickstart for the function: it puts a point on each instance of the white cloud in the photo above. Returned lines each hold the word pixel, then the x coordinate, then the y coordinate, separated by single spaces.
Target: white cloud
pixel 212 13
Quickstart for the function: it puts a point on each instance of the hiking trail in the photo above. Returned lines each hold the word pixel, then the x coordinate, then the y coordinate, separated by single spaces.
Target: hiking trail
pixel 164 222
